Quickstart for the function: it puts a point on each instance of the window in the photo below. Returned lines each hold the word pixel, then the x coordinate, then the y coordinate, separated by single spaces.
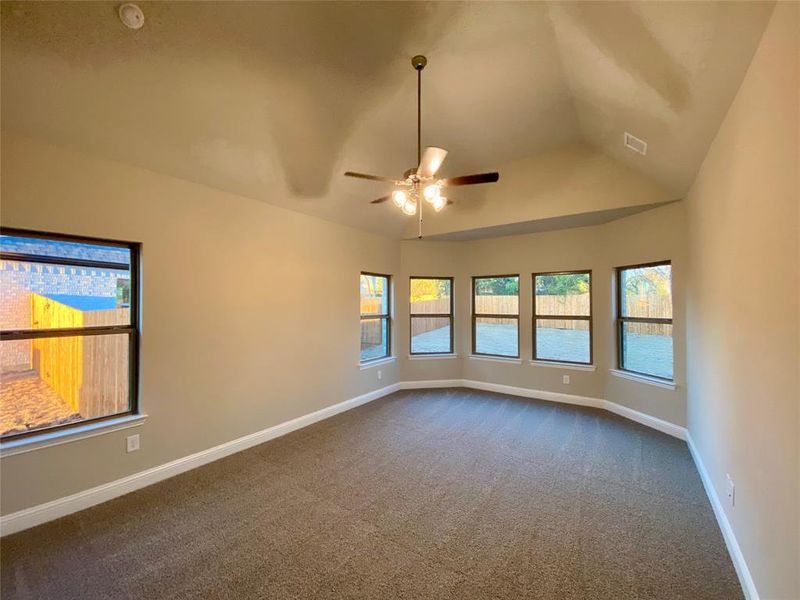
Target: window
pixel 376 324
pixel 495 315
pixel 644 319
pixel 431 313
pixel 68 331
pixel 562 317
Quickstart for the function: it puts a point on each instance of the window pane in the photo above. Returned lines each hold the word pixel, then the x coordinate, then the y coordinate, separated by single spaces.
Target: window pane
pixel 563 294
pixel 430 296
pixel 430 334
pixel 497 295
pixel 496 336
pixel 48 296
pixel 647 292
pixel 647 348
pixel 51 381
pixel 567 340
pixel 374 338
pixel 374 295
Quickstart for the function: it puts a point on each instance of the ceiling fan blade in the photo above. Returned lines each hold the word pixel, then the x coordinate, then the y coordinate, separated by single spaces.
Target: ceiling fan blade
pixel 472 179
pixel 381 199
pixel 370 177
pixel 432 159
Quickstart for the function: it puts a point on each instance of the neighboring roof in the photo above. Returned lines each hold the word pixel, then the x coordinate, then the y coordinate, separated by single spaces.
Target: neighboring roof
pixel 60 249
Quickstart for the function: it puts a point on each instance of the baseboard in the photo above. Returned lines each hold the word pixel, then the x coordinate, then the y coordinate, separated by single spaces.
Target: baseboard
pixel 531 393
pixel 61 507
pixel 431 383
pixel 739 563
pixel 623 411
pixel 647 420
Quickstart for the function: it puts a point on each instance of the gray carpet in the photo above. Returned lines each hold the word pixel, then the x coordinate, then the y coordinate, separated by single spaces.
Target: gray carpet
pixel 426 494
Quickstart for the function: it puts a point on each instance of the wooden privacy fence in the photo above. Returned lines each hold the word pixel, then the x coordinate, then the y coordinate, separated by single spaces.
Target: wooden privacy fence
pixel 421 308
pixel 646 305
pixel 654 306
pixel 568 305
pixel 90 373
pixel 496 305
pixel 371 330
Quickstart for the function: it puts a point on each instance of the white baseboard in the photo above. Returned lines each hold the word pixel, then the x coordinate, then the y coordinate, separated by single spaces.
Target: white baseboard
pixel 55 509
pixel 431 383
pixel 61 507
pixel 647 420
pixel 739 563
pixel 623 411
pixel 530 393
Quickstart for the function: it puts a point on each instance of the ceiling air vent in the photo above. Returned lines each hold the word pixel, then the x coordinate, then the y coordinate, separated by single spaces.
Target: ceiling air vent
pixel 635 144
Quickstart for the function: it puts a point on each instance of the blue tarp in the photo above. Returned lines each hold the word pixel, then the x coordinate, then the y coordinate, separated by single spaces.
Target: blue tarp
pixel 85 302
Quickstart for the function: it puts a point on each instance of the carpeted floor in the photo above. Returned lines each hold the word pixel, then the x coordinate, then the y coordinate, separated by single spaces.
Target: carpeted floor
pixel 425 494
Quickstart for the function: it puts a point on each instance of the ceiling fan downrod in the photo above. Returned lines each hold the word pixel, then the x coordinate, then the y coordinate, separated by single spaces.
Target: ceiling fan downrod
pixel 419 62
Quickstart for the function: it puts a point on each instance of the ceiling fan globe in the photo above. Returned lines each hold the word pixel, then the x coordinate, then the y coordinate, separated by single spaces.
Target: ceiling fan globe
pixel 399 198
pixel 431 192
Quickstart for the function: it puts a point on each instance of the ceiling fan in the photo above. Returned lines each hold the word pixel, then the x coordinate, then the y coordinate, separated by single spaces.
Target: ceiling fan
pixel 420 182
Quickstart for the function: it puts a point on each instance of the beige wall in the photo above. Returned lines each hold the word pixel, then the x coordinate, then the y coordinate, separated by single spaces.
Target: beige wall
pixel 653 235
pixel 743 311
pixel 250 312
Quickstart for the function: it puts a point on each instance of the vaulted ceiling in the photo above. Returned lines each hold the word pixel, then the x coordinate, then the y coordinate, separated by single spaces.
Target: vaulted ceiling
pixel 274 101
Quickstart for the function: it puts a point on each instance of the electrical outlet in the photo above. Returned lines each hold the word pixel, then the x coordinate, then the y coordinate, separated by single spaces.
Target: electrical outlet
pixel 379 374
pixel 566 379
pixel 730 490
pixel 132 443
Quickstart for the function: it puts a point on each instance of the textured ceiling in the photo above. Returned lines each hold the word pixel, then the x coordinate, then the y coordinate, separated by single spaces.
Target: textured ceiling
pixel 275 100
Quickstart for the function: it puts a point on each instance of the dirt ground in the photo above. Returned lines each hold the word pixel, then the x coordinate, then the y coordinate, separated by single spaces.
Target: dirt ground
pixel 27 403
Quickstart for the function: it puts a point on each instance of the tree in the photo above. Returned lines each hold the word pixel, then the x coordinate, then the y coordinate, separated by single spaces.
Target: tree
pixel 562 285
pixel 497 286
pixel 429 289
pixel 649 280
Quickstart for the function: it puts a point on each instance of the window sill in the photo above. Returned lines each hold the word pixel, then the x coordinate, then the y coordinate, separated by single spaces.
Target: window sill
pixel 443 355
pixel 563 365
pixel 71 434
pixel 503 359
pixel 376 362
pixel 667 385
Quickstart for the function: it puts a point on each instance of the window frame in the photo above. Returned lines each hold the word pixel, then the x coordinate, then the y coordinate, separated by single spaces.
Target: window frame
pixel 382 316
pixel 621 320
pixel 475 316
pixel 132 329
pixel 589 318
pixel 450 316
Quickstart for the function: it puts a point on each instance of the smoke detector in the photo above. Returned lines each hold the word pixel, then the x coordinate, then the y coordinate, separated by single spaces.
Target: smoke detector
pixel 635 144
pixel 131 16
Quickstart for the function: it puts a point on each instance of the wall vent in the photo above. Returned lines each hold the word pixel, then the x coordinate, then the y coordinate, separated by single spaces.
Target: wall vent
pixel 635 144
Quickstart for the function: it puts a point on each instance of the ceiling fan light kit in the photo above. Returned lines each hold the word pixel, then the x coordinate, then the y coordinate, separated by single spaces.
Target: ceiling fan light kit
pixel 420 183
